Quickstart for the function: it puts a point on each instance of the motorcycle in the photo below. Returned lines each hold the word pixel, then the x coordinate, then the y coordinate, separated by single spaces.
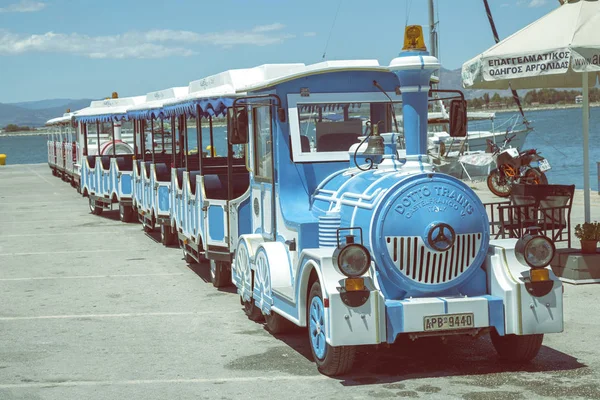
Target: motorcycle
pixel 514 167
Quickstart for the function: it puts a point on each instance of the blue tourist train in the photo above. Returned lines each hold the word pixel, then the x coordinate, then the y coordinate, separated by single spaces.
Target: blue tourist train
pixel 308 188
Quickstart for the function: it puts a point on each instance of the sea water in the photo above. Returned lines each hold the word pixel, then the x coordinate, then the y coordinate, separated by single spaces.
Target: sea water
pixel 557 135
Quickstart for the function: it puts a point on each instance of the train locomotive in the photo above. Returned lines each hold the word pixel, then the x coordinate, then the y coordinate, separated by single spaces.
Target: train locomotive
pixel 323 222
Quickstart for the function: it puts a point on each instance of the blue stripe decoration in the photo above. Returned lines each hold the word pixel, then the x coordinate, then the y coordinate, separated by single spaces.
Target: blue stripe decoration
pixel 496 313
pixel 445 304
pixel 394 319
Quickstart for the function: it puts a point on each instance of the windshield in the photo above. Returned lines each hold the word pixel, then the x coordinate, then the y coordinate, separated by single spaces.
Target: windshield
pixel 335 127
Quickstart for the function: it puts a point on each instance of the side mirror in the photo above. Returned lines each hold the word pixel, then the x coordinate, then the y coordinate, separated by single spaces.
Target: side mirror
pixel 239 132
pixel 458 118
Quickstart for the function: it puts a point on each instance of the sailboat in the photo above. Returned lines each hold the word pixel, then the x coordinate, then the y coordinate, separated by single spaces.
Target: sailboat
pixel 460 156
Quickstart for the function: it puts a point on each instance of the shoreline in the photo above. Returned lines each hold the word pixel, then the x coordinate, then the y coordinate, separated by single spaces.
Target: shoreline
pixel 28 133
pixel 541 107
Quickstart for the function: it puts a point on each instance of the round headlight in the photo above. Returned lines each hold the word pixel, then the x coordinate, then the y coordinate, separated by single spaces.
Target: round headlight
pixel 353 260
pixel 535 251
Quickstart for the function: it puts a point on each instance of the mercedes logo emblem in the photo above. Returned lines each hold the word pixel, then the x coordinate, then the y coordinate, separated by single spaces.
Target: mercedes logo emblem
pixel 441 237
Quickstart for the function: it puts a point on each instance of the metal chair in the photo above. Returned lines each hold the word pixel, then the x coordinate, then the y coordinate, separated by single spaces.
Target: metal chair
pixel 545 206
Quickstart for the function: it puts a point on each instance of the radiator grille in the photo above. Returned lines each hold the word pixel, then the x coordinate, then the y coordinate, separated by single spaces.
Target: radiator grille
pixel 417 262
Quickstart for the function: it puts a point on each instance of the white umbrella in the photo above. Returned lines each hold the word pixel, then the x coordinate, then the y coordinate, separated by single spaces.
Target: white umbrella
pixel 559 50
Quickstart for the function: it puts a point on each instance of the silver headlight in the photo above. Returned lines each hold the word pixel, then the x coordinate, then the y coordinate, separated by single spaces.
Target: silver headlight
pixel 353 259
pixel 534 250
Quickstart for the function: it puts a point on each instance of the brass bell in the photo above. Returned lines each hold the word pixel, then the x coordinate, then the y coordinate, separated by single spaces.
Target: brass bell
pixel 376 144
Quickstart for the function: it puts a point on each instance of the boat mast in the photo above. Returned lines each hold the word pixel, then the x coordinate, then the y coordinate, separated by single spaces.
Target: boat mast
pixel 432 31
pixel 433 45
pixel 497 39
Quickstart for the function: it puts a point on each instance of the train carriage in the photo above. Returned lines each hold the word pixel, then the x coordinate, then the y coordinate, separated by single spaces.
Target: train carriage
pixel 210 194
pixel 63 149
pixel 322 208
pixel 108 149
pixel 157 153
pixel 54 141
pixel 60 142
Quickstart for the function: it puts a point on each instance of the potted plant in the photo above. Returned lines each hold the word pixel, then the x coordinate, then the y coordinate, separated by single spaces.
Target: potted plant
pixel 588 234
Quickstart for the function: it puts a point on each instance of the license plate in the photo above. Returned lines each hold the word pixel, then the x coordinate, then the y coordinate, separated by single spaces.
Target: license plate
pixel 544 165
pixel 447 322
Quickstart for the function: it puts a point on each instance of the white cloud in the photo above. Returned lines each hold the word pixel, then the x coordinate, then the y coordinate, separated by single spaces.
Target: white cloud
pixel 532 3
pixel 23 6
pixel 150 44
pixel 309 34
pixel 119 46
pixel 268 28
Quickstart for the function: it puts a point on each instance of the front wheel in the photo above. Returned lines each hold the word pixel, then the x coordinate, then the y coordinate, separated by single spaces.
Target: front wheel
pixel 331 360
pixel 220 273
pixel 534 176
pixel 94 208
pixel 516 348
pixel 498 184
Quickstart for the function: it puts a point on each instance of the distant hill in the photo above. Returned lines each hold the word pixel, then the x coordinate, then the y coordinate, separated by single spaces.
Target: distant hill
pixel 42 104
pixel 452 80
pixel 36 113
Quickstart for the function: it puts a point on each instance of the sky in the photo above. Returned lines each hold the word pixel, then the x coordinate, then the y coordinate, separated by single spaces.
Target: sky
pixel 88 48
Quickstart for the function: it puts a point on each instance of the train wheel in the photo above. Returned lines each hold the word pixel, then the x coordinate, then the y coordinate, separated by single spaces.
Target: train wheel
pixel 515 348
pixel 261 285
pixel 497 184
pixel 331 360
pixel 277 324
pixel 534 176
pixel 125 213
pixel 94 208
pixel 220 273
pixel 252 312
pixel 242 271
pixel 167 237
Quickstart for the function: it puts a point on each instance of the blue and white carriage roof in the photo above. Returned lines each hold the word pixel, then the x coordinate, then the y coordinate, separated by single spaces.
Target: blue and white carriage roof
pixel 217 92
pixel 65 119
pixel 154 102
pixel 108 109
pixel 315 69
